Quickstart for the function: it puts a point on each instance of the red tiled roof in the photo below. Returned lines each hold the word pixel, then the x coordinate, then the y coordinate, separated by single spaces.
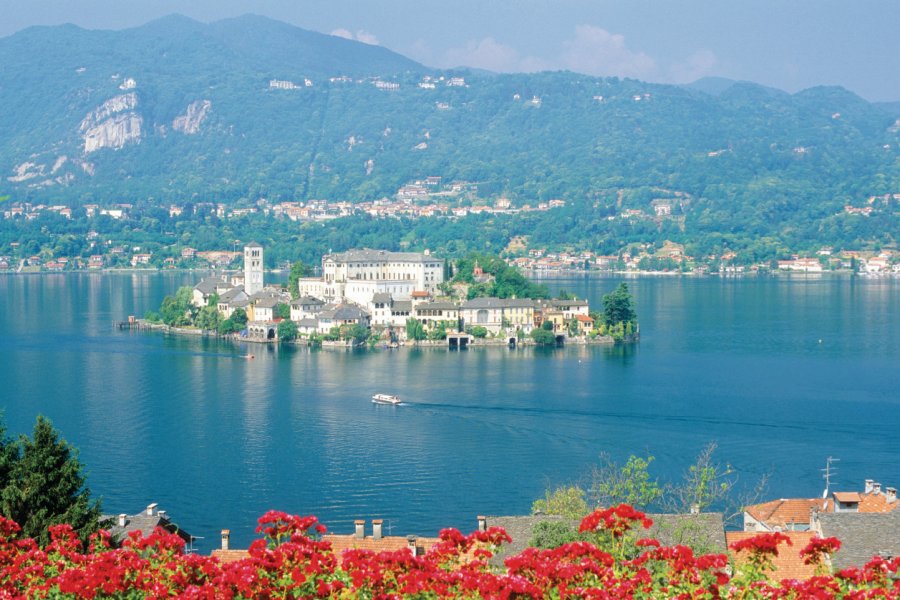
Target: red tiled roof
pixel 783 512
pixel 788 564
pixel 876 503
pixel 847 496
pixel 230 556
pixel 339 543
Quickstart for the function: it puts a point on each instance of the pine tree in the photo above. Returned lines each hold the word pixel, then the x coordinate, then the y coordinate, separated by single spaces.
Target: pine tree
pixel 8 455
pixel 46 487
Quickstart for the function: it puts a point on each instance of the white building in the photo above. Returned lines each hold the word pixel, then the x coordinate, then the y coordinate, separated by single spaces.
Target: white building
pixel 253 268
pixel 357 275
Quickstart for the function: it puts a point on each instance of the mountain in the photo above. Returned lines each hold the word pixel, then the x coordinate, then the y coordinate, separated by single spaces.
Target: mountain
pixel 250 107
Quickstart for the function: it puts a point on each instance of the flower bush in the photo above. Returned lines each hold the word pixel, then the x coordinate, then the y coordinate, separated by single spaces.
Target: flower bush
pixel 291 560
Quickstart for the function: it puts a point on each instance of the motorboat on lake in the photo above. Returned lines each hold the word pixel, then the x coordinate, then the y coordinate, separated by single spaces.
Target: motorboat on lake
pixel 385 399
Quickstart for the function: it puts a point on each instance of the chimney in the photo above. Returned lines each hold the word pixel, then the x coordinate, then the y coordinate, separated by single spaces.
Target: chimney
pixel 376 528
pixel 891 494
pixel 876 488
pixel 360 531
pixel 868 488
pixel 482 523
pixel 122 519
pixel 162 515
pixel 226 535
pixel 151 509
pixel 411 544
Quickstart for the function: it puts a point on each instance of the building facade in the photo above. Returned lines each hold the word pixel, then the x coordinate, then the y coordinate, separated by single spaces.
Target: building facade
pixel 357 275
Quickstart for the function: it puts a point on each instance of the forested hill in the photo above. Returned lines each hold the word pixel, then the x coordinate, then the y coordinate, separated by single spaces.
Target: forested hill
pixel 249 107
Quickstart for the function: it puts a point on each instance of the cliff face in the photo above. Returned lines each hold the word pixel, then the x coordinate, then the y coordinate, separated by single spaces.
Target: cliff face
pixel 189 123
pixel 112 124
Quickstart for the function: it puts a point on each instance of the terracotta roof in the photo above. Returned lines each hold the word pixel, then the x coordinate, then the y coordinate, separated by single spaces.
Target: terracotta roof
pixel 230 556
pixel 783 512
pixel 340 543
pixel 877 503
pixel 389 543
pixel 788 564
pixel 847 496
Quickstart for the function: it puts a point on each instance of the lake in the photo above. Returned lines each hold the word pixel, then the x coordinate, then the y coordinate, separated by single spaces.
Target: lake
pixel 780 372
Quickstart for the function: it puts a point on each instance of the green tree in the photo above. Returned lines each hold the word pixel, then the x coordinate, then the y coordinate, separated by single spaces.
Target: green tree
pixel 542 337
pixel 479 331
pixel 553 534
pixel 414 330
pixel 630 483
pixel 282 311
pixel 566 501
pixel 46 487
pixel 618 306
pixel 239 316
pixel 287 330
pixel 706 483
pixel 9 453
pixel 356 332
pixel 178 310
pixel 208 318
pixel 235 323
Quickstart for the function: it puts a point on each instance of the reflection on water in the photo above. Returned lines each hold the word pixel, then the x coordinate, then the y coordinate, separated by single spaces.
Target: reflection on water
pixel 781 373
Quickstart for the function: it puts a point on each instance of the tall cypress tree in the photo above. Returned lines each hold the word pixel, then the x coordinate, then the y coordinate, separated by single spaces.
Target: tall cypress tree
pixel 46 487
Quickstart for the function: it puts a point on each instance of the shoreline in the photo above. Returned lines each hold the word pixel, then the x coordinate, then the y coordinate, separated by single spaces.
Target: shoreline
pixel 532 273
pixel 143 325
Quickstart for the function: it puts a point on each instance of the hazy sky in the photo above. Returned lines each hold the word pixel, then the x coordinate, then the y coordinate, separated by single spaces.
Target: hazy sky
pixel 789 44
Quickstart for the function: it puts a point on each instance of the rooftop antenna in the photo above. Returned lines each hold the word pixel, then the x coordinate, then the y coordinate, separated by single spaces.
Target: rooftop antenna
pixel 827 473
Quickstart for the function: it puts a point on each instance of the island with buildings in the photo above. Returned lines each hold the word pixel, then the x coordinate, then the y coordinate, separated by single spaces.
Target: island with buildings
pixel 387 299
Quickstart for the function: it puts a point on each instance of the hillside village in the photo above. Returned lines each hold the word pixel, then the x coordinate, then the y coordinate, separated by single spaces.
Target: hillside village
pixel 102 244
pixel 365 292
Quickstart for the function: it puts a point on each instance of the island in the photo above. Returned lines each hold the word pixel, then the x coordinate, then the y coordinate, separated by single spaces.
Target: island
pixel 378 298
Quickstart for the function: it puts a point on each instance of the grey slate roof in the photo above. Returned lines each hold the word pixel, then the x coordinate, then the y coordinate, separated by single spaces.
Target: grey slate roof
pixel 521 530
pixel 369 255
pixel 344 312
pixel 144 523
pixel 381 298
pixel 308 323
pixel 210 284
pixel 477 303
pixel 862 535
pixel 234 293
pixel 705 532
pixel 402 306
pixel 307 301
pixel 267 302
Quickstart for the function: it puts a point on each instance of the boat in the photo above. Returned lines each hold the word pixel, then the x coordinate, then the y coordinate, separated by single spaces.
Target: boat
pixel 385 399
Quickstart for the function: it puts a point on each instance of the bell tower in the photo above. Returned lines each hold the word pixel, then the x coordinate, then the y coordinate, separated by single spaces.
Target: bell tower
pixel 253 268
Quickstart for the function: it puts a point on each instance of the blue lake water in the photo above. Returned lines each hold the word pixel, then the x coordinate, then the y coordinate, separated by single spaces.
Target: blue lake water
pixel 780 372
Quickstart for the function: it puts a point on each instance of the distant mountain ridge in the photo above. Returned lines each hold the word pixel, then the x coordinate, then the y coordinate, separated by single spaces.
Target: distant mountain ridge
pixel 250 107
